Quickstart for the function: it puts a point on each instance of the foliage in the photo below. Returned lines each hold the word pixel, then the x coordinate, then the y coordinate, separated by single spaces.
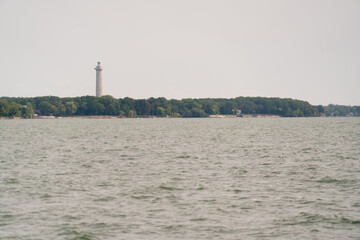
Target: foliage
pixel 70 108
pixel 132 114
pixel 4 107
pixel 161 107
pixel 160 112
pixel 341 110
pixel 27 111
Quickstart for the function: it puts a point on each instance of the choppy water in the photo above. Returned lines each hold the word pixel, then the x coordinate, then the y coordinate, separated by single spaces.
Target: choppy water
pixel 281 178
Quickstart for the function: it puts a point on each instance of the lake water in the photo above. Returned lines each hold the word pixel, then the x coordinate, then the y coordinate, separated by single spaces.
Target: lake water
pixel 284 178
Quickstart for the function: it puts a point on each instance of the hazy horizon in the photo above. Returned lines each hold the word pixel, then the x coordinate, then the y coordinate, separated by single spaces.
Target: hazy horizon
pixel 305 50
pixel 93 95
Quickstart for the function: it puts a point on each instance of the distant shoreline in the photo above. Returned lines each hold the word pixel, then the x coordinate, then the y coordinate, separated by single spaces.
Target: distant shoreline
pixel 143 117
pixel 245 116
pixel 105 106
pixel 48 107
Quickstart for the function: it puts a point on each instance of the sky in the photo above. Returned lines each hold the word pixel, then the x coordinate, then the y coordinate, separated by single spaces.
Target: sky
pixel 301 49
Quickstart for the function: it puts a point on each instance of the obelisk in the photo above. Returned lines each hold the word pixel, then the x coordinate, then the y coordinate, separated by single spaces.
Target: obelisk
pixel 98 80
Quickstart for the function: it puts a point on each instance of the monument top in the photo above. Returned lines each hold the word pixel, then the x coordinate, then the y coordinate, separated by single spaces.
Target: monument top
pixel 98 67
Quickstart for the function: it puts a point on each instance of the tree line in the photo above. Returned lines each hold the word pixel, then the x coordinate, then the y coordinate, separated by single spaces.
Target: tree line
pixel 333 110
pixel 160 107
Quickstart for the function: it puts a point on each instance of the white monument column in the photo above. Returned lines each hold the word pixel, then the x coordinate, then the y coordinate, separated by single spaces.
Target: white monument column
pixel 98 80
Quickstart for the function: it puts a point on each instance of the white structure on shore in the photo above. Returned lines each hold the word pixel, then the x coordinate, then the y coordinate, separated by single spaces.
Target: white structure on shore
pixel 98 80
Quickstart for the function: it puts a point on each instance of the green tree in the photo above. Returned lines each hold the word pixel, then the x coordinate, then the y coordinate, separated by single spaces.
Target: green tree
pixel 228 108
pixel 111 105
pixel 197 112
pixel 46 108
pixel 61 109
pixel 132 114
pixel 27 111
pixel 142 107
pixel 92 107
pixel 175 114
pixel 111 109
pixel 14 110
pixel 100 109
pixel 70 108
pixel 82 108
pixel 4 108
pixel 160 112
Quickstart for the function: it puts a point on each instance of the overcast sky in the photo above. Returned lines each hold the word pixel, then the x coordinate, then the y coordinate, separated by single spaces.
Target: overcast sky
pixel 302 49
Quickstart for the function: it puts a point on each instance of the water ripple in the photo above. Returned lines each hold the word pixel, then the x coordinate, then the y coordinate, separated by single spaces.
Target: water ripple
pixel 180 178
